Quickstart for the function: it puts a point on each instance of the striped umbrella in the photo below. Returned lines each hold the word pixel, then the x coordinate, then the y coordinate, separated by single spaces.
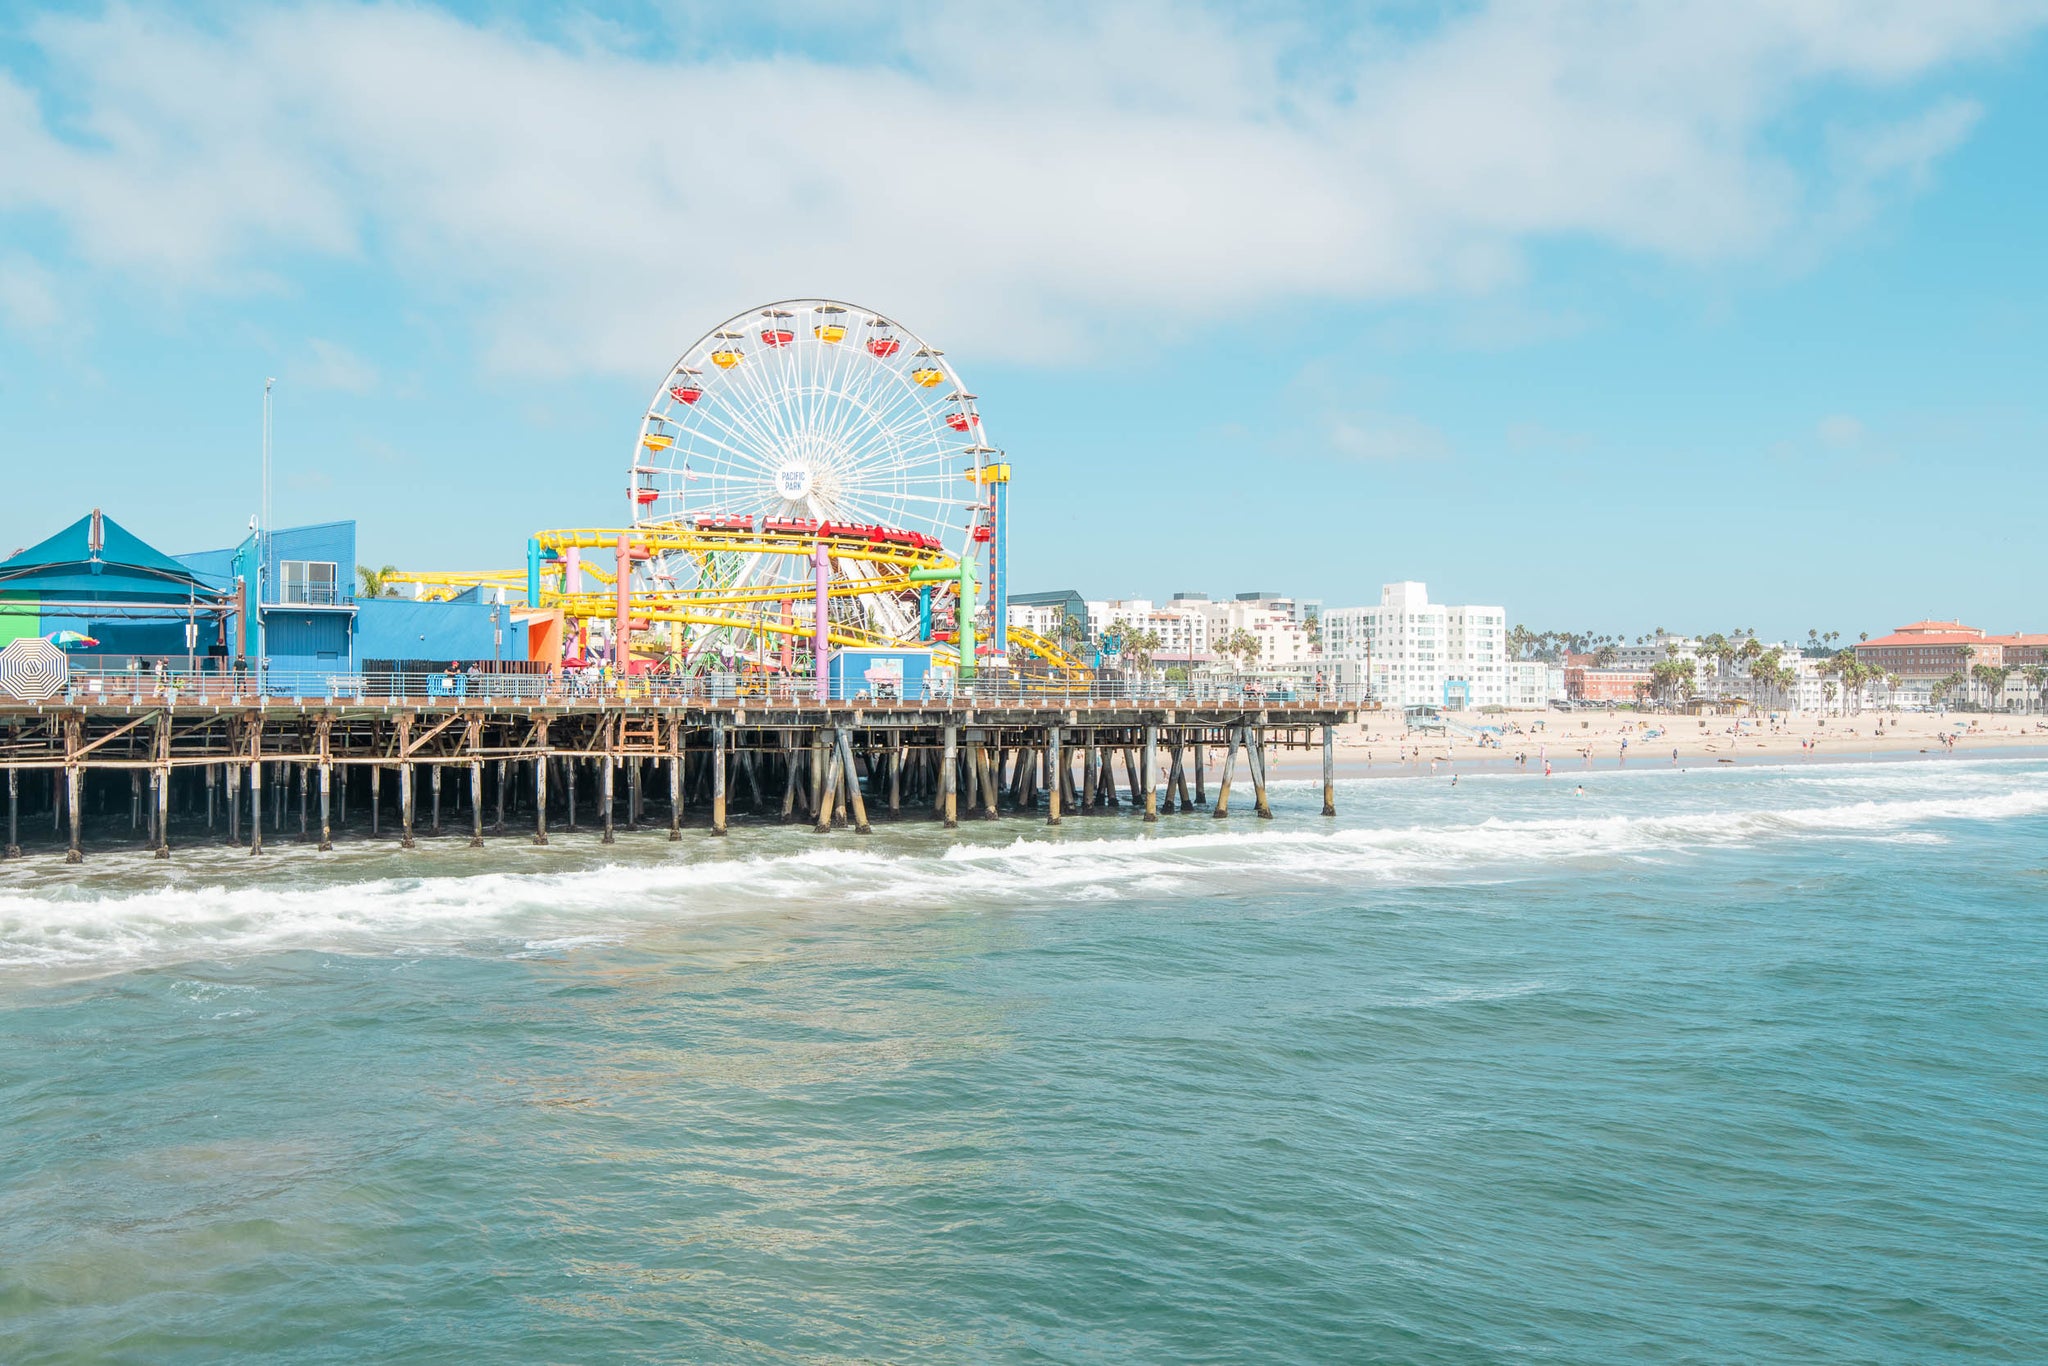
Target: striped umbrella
pixel 33 670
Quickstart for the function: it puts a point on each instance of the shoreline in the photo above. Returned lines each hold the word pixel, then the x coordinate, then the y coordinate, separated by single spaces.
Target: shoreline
pixel 1306 765
pixel 1577 741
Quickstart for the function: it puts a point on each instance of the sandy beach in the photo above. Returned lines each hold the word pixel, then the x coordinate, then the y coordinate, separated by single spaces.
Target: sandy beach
pixel 1527 740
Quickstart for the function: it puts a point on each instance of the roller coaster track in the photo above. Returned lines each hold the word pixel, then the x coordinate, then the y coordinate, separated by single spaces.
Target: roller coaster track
pixel 750 609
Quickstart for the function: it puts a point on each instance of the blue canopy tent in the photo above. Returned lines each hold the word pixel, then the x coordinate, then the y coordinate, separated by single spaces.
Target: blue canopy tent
pixel 99 579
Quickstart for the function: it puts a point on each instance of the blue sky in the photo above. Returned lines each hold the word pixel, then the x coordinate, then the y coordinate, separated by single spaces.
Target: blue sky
pixel 1623 315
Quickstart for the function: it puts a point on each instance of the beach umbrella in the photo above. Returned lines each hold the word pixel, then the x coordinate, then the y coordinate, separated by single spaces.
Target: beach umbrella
pixel 33 670
pixel 70 638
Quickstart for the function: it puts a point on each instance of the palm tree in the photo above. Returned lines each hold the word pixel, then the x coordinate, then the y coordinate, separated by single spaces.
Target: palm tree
pixel 2037 677
pixel 1240 646
pixel 1140 646
pixel 1763 669
pixel 1073 634
pixel 1993 678
pixel 376 582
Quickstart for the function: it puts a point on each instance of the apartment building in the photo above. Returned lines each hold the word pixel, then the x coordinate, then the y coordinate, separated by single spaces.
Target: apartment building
pixel 1183 632
pixel 1420 653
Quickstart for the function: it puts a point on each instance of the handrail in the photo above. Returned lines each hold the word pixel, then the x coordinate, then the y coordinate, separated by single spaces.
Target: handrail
pixel 134 687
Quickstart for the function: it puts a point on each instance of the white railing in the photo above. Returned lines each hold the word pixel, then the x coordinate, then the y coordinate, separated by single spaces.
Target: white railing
pixel 138 687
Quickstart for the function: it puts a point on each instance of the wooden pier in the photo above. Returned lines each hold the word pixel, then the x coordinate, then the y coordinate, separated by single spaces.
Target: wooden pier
pixel 79 774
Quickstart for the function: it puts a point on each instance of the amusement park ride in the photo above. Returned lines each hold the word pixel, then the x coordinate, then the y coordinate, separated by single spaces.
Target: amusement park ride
pixel 809 476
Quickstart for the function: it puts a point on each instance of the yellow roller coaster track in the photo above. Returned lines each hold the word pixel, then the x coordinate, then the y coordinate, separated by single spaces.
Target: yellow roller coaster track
pixel 743 609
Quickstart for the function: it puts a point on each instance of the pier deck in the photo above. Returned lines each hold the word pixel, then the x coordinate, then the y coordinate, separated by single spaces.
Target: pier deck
pixel 226 768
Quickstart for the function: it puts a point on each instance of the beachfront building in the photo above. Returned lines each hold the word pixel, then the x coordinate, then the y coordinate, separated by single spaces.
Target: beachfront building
pixel 1533 684
pixel 1047 613
pixel 1183 633
pixel 1926 653
pixel 1420 653
pixel 1587 680
pixel 1279 624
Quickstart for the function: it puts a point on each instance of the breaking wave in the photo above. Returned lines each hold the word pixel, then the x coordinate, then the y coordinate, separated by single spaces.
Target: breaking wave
pixel 125 911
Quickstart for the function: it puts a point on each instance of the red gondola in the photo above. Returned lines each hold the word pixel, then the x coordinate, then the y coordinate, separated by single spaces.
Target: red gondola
pixel 685 393
pixel 984 534
pixel 884 347
pixel 777 336
pixel 645 496
pixel 961 421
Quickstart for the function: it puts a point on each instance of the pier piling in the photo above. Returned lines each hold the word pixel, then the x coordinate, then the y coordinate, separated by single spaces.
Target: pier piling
pixel 256 800
pixel 717 776
pixel 1151 773
pixel 74 783
pixel 1329 770
pixel 860 809
pixel 948 775
pixel 1056 775
pixel 405 801
pixel 1230 742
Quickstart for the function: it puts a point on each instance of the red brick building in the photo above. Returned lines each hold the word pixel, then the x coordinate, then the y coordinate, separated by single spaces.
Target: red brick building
pixel 1586 681
pixel 1936 649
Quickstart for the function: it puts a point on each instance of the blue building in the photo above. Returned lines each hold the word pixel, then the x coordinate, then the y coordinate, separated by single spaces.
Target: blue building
pixel 883 674
pixel 404 635
pixel 311 620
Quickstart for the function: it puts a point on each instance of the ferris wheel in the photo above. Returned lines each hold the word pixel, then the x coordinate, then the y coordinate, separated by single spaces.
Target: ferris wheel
pixel 804 415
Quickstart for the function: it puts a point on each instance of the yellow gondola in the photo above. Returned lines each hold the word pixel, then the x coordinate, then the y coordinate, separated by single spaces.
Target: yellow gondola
pixel 657 441
pixel 725 360
pixel 831 330
pixel 927 376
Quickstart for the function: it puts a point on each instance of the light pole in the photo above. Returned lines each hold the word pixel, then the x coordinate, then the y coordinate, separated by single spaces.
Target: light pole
pixel 263 552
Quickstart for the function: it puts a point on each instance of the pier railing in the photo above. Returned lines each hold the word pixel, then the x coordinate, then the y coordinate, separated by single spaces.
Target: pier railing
pixel 178 687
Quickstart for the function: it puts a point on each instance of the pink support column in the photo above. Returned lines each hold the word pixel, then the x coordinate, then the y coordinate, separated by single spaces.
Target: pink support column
pixel 572 582
pixel 823 646
pixel 625 587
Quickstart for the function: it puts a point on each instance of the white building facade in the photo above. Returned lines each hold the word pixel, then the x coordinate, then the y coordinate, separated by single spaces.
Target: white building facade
pixel 1420 653
pixel 1183 632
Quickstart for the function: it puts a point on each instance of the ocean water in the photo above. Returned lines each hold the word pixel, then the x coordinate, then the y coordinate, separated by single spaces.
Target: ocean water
pixel 1727 1065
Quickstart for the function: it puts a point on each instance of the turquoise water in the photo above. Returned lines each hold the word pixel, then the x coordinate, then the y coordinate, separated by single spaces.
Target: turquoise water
pixel 1706 1066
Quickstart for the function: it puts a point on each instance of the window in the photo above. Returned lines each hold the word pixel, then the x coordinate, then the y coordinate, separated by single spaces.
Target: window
pixel 308 581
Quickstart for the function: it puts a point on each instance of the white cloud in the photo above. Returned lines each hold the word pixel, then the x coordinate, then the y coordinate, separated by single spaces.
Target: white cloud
pixel 28 295
pixel 330 366
pixel 1030 183
pixel 1364 436
pixel 1839 430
